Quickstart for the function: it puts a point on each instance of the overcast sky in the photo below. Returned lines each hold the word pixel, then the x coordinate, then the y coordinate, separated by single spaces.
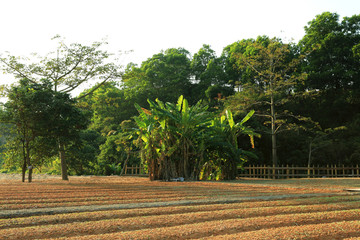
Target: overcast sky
pixel 149 26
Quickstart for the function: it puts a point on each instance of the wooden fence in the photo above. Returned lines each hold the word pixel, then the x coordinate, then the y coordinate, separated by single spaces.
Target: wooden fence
pixel 280 172
pixel 137 170
pixel 332 171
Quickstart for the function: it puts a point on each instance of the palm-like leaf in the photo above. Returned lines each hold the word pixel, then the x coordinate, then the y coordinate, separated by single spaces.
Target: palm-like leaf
pixel 183 136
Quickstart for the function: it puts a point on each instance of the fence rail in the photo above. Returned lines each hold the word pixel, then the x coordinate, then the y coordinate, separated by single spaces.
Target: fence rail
pixel 332 171
pixel 263 171
pixel 135 170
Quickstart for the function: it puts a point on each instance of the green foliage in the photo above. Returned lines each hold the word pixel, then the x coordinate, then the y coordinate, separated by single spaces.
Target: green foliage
pixel 109 156
pixel 107 107
pixel 179 140
pixel 165 75
pixel 41 119
pixel 83 153
pixel 5 134
pixel 271 69
pixel 331 48
pixel 118 150
pixel 297 92
pixel 67 68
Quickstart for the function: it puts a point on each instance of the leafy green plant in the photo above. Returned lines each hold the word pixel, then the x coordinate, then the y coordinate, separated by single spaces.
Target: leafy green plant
pixel 178 140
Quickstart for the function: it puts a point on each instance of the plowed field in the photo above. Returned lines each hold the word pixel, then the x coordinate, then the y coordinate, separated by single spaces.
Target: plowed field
pixel 135 208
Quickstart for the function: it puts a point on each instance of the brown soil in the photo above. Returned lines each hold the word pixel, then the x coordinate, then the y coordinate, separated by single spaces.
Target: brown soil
pixel 135 208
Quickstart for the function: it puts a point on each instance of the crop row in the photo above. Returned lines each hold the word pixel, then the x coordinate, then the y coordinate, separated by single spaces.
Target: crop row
pixel 98 200
pixel 77 187
pixel 345 230
pixel 62 205
pixel 184 226
pixel 336 202
pixel 184 221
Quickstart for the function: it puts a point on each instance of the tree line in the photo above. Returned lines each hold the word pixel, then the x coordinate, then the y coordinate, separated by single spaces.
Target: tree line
pixel 200 116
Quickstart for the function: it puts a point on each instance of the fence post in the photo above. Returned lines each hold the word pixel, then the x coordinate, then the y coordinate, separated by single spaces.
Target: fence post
pixel 313 175
pixel 327 170
pixel 264 171
pixel 357 170
pixel 273 171
pixel 287 171
pixel 308 171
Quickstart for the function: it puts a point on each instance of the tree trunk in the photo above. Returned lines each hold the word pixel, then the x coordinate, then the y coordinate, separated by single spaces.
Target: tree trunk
pixel 273 130
pixel 24 163
pixel 273 114
pixel 23 170
pixel 310 151
pixel 125 163
pixel 64 174
pixel 30 174
pixel 27 150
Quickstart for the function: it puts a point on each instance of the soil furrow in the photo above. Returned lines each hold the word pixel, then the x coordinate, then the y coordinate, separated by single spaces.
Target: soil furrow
pixel 323 231
pixel 233 228
pixel 226 211
pixel 248 220
pixel 133 203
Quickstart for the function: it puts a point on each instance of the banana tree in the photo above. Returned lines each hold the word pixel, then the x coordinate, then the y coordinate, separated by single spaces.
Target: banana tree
pixel 181 126
pixel 225 143
pixel 146 122
pixel 178 139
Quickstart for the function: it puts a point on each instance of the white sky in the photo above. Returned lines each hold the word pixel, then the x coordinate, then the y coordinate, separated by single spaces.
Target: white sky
pixel 149 26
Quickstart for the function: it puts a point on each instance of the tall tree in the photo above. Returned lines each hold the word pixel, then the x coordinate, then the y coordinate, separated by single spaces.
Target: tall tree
pixel 67 68
pixel 235 76
pixel 165 75
pixel 330 47
pixel 64 124
pixel 272 67
pixel 107 106
pixel 41 116
pixel 19 111
pixel 209 74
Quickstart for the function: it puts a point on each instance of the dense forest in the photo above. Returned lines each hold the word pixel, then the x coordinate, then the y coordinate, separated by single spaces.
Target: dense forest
pixel 197 116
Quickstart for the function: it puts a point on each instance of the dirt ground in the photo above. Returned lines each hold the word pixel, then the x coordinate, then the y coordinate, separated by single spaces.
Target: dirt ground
pixel 95 207
pixel 322 183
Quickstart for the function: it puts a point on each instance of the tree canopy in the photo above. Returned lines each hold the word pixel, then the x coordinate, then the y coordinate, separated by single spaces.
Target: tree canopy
pixel 305 98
